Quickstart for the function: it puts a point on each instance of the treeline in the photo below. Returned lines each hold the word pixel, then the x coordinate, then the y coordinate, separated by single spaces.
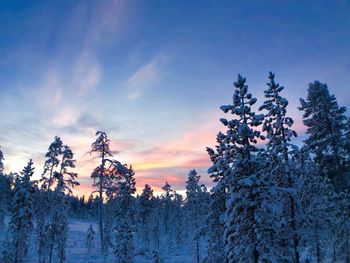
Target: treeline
pixel 272 201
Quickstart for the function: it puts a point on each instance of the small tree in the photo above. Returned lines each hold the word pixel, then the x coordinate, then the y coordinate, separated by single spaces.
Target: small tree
pixel 90 236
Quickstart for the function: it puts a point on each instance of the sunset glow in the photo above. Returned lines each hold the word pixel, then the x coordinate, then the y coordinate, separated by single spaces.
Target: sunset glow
pixel 152 77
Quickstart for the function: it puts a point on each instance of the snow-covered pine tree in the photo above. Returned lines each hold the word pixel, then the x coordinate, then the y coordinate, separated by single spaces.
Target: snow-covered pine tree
pixel 326 128
pixel 145 206
pixel 177 221
pixel 125 187
pixel 52 161
pixel 347 137
pixel 166 198
pixel 282 166
pixel 1 161
pixel 318 209
pixel 217 208
pixel 123 243
pixel 195 209
pixel 21 222
pixel 58 223
pixel 101 147
pixel 2 192
pixel 90 237
pixel 41 208
pixel 243 244
pixel 155 221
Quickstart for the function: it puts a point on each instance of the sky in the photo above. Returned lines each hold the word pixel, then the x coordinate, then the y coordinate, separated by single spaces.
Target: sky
pixel 153 74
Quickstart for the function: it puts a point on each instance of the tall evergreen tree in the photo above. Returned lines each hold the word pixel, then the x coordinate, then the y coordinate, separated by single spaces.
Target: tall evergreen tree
pixel 166 199
pixel 21 222
pixel 243 182
pixel 145 207
pixel 101 147
pixel 1 162
pixel 196 209
pixel 58 225
pixel 3 192
pixel 52 161
pixel 282 167
pixel 125 187
pixel 217 208
pixel 326 128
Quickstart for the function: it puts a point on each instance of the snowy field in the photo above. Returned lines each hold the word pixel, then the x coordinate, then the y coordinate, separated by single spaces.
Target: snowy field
pixel 77 251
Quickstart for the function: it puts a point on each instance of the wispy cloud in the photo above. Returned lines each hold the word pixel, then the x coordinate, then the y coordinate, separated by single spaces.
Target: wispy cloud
pixel 145 77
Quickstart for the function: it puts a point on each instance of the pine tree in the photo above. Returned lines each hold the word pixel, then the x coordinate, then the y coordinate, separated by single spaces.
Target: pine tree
pixel 1 162
pixel 166 199
pixel 101 147
pixel 217 208
pixel 243 181
pixel 52 161
pixel 145 207
pixel 155 221
pixel 125 187
pixel 52 224
pixel 124 243
pixel 22 214
pixel 282 168
pixel 326 128
pixel 90 236
pixel 195 207
pixel 177 220
pixel 3 192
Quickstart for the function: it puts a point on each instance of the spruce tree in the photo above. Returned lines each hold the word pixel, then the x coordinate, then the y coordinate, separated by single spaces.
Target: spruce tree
pixel 217 208
pixel 243 180
pixel 145 207
pixel 282 165
pixel 326 128
pixel 166 199
pixel 3 192
pixel 125 187
pixel 52 161
pixel 21 222
pixel 195 209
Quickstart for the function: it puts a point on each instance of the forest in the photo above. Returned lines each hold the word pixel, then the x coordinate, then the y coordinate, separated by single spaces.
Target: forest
pixel 272 200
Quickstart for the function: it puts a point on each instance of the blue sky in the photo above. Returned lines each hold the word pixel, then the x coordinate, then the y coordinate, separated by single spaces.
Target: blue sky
pixel 153 74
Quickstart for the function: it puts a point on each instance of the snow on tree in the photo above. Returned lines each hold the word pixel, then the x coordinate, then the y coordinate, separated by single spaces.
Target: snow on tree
pixel 1 162
pixel 215 222
pixel 282 167
pixel 326 128
pixel 196 208
pixel 52 161
pixel 60 161
pixel 177 221
pixel 4 189
pixel 90 237
pixel 156 221
pixel 166 198
pixel 217 208
pixel 124 247
pixel 124 187
pixel 145 206
pixel 246 185
pixel 101 147
pixel 21 222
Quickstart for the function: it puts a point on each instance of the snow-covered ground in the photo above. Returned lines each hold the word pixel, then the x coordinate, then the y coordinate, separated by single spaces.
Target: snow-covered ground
pixel 77 251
